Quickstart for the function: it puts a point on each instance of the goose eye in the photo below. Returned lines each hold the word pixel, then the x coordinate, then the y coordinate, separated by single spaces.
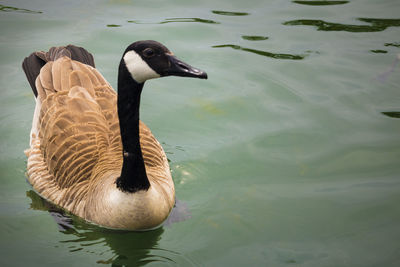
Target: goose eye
pixel 148 52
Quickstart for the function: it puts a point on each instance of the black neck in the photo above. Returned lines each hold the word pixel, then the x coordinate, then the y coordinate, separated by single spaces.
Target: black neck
pixel 133 175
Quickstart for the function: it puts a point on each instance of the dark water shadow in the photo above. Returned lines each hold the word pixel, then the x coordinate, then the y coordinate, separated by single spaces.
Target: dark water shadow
pixel 321 3
pixel 262 53
pixel 376 25
pixel 254 37
pixel 392 114
pixel 128 248
pixel 229 13
pixel 4 8
pixel 172 20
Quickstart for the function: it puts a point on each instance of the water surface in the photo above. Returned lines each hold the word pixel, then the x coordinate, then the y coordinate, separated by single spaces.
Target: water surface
pixel 288 155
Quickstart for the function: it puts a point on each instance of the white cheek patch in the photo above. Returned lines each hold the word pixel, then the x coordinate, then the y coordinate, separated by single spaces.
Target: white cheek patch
pixel 138 68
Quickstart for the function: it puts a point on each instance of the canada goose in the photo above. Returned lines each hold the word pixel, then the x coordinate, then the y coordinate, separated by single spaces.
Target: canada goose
pixel 89 152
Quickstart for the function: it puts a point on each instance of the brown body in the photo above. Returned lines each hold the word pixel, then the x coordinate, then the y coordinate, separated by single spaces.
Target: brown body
pixel 75 153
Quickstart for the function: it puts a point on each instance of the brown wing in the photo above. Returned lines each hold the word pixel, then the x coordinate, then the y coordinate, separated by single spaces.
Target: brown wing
pixel 78 123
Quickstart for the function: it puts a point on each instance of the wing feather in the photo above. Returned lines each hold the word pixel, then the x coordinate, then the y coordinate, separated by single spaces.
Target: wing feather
pixel 74 127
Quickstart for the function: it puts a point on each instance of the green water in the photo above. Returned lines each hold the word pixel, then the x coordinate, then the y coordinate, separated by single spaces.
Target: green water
pixel 288 155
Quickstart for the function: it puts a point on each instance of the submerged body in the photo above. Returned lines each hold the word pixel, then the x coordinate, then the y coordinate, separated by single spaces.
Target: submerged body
pixel 81 155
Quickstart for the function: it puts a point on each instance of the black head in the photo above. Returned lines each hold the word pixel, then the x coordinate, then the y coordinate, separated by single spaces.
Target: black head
pixel 150 59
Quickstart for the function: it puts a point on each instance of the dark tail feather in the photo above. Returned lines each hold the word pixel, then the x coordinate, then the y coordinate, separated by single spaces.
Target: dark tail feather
pixel 31 67
pixel 81 54
pixel 37 60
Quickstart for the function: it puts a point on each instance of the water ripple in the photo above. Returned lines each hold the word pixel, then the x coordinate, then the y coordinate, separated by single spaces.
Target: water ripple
pixel 393 44
pixel 377 25
pixel 254 37
pixel 170 20
pixel 379 51
pixel 229 13
pixel 4 8
pixel 263 53
pixel 392 114
pixel 321 3
pixel 113 25
pixel 382 77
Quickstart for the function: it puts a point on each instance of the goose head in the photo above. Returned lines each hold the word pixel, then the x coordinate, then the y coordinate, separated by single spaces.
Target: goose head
pixel 146 60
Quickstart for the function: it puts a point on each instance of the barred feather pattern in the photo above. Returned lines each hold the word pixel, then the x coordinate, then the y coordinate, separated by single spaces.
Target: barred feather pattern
pixel 76 142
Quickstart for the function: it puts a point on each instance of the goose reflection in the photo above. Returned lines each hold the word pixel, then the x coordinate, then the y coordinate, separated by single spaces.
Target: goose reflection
pixel 126 248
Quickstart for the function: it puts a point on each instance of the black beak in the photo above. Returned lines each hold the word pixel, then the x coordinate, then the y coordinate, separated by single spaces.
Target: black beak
pixel 180 68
